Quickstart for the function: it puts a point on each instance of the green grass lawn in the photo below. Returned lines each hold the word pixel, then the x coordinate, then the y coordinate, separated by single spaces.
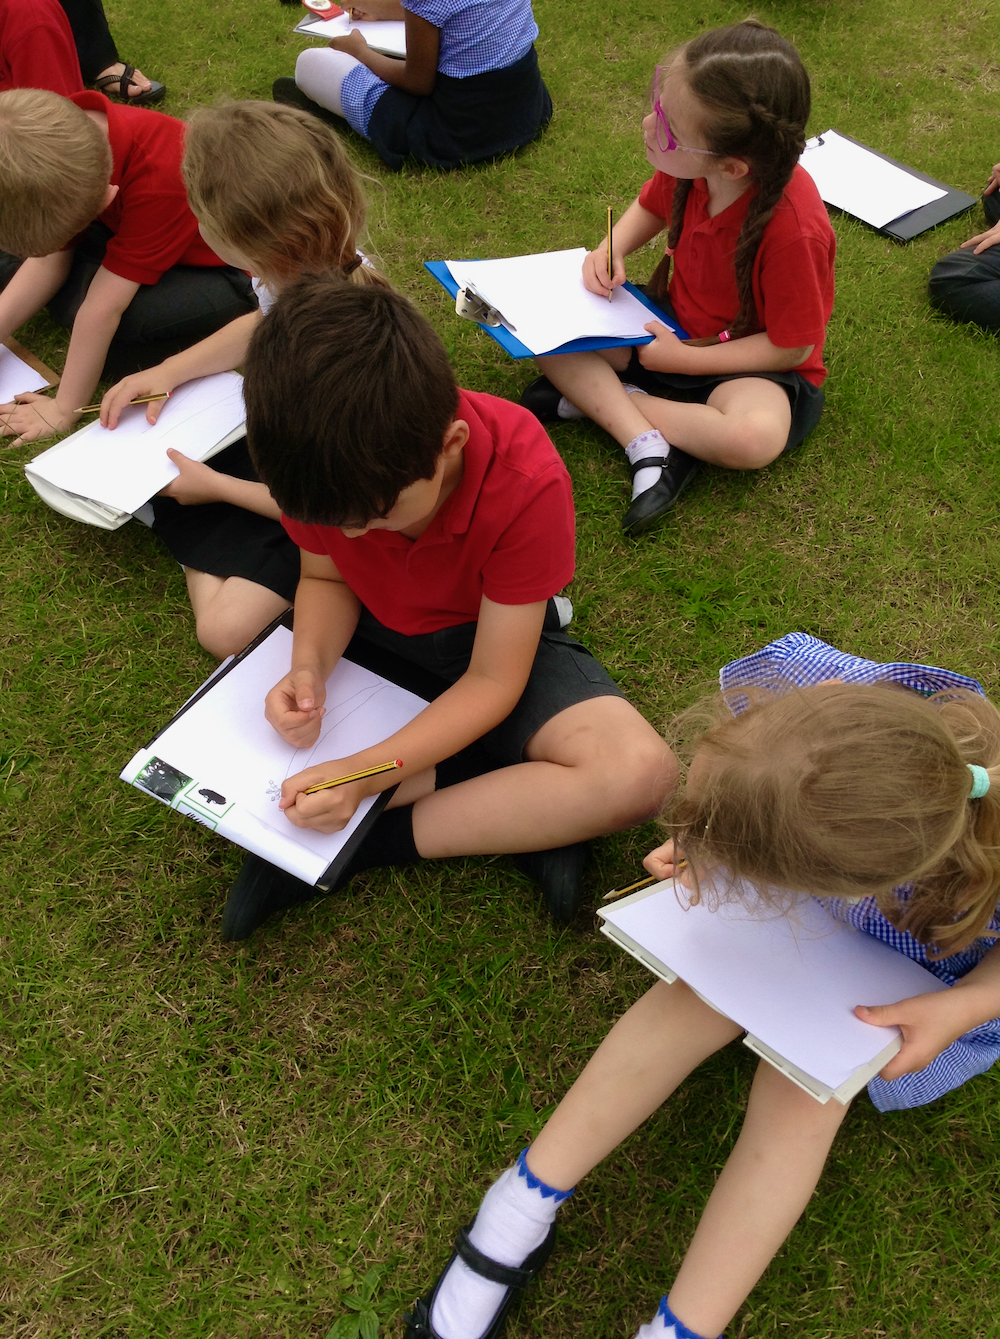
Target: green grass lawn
pixel 210 1140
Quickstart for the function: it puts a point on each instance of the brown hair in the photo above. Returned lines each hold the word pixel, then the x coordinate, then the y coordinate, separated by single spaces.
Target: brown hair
pixel 55 165
pixel 349 394
pixel 851 790
pixel 278 186
pixel 755 93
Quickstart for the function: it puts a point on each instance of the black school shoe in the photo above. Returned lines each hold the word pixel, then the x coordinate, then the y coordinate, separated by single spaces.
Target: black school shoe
pixel 652 505
pixel 260 890
pixel 542 399
pixel 418 1322
pixel 558 873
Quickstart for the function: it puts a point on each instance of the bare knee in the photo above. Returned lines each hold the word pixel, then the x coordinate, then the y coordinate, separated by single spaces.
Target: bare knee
pixel 753 442
pixel 637 774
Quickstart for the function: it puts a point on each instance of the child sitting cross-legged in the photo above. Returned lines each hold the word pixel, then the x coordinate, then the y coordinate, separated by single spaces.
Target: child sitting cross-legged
pixel 437 524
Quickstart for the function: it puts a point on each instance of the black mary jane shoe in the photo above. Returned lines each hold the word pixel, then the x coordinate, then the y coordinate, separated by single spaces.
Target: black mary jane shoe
pixel 515 1280
pixel 542 399
pixel 678 469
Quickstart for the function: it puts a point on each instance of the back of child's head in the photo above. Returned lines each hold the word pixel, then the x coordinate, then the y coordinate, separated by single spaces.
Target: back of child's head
pixel 755 94
pixel 55 165
pixel 850 790
pixel 278 186
pixel 349 394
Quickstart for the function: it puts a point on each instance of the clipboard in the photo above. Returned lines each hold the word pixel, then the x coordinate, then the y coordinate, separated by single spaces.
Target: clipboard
pixel 512 345
pixel 917 221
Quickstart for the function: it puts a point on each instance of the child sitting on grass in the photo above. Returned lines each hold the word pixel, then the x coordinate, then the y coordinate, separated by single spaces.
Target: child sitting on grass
pixel 275 193
pixel 965 285
pixel 752 252
pixel 834 777
pixel 469 88
pixel 436 524
pixel 93 197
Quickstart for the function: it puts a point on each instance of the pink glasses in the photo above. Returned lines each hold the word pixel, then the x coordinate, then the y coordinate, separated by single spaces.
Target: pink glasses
pixel 662 125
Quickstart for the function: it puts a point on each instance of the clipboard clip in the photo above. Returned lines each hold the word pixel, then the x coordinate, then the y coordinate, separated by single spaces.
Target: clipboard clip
pixel 471 304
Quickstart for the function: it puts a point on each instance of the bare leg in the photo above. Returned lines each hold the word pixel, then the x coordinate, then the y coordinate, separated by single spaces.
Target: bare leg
pixel 744 425
pixel 649 1051
pixel 590 381
pixel 230 611
pixel 596 767
pixel 761 1192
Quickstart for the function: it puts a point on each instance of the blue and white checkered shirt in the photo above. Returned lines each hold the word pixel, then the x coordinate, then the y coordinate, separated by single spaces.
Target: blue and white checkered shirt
pixel 475 37
pixel 798 661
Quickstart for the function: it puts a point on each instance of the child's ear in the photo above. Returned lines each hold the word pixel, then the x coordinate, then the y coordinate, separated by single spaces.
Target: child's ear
pixel 109 195
pixel 734 168
pixel 455 437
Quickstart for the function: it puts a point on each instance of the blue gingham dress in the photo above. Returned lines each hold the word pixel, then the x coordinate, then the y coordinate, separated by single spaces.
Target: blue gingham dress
pixel 800 660
pixel 476 36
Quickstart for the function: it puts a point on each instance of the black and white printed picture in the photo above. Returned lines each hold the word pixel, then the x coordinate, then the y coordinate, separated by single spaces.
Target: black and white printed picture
pixel 162 780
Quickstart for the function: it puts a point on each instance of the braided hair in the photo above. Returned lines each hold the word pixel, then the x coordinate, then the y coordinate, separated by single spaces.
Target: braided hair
pixel 755 92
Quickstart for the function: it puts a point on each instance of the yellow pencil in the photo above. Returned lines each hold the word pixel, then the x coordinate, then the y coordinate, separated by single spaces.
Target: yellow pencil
pixel 354 776
pixel 611 258
pixel 634 887
pixel 143 399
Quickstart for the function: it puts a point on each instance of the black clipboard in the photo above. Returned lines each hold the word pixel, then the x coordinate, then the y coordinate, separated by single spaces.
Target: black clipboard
pixel 921 220
pixel 369 656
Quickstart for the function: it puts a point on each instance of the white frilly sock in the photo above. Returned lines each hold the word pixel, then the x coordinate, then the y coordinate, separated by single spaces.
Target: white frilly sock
pixel 665 1325
pixel 513 1220
pixel 650 443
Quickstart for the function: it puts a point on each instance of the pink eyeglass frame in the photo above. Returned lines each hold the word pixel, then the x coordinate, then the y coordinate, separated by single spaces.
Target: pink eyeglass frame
pixel 661 121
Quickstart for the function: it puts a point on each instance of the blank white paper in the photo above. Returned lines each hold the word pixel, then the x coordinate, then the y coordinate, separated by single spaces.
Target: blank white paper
pixel 792 981
pixel 388 35
pixel 854 179
pixel 16 377
pixel 224 743
pixel 126 467
pixel 544 302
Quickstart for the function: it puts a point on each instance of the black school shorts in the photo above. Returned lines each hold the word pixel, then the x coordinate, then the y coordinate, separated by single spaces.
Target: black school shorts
pixel 806 400
pixel 563 674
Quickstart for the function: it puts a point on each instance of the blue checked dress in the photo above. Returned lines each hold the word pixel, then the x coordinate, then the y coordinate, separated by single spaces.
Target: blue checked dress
pixel 799 660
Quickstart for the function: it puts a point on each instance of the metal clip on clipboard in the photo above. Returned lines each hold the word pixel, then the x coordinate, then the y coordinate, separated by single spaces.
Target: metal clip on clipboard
pixel 471 304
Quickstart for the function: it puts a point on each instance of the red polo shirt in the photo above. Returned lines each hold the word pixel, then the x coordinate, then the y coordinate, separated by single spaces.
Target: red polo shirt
pixel 507 531
pixel 37 48
pixel 792 272
pixel 150 217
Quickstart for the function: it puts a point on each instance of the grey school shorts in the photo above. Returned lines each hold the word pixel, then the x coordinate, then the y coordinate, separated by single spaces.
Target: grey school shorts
pixel 563 674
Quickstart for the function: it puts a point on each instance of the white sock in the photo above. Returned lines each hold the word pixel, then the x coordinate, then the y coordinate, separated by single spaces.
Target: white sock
pixel 567 409
pixel 665 1325
pixel 513 1220
pixel 651 443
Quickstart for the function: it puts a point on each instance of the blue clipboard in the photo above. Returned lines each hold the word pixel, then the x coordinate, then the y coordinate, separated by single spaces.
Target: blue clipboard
pixel 513 346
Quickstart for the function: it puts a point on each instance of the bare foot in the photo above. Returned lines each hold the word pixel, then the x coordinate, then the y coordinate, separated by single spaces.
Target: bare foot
pixel 138 84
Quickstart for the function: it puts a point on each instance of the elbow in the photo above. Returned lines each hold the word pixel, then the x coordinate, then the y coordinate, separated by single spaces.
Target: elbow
pixel 792 358
pixel 420 84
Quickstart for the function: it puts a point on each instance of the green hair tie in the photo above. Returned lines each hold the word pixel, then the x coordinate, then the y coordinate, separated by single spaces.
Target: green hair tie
pixel 980 781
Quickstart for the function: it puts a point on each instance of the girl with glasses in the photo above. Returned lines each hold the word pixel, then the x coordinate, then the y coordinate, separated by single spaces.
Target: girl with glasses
pixel 748 273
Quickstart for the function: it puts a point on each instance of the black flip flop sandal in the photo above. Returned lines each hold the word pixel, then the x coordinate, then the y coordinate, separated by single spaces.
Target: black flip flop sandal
pixel 155 93
pixel 515 1280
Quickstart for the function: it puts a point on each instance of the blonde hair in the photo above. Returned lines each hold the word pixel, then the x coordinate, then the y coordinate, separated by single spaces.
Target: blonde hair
pixel 55 166
pixel 277 185
pixel 850 790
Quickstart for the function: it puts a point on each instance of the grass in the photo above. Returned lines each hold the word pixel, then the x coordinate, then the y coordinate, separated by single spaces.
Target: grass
pixel 201 1139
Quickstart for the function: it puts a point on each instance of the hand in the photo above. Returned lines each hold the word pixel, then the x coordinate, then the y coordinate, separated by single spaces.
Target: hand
pixel 353 43
pixel 295 708
pixel 196 483
pixel 994 180
pixel 328 810
pixel 983 240
pixel 929 1024
pixel 666 353
pixel 663 863
pixel 595 272
pixel 29 417
pixel 152 382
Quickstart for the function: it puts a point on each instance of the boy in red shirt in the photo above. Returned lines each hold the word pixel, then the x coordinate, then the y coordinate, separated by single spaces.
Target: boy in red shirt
pixel 436 524
pixel 93 197
pixel 37 48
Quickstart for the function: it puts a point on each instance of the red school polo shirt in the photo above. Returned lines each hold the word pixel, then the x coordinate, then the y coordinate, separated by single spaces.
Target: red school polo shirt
pixel 792 272
pixel 507 531
pixel 37 48
pixel 150 217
